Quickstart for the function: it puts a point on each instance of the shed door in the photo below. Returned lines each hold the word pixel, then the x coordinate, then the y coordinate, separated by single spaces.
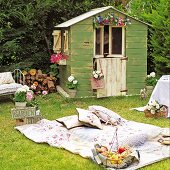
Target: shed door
pixel 114 70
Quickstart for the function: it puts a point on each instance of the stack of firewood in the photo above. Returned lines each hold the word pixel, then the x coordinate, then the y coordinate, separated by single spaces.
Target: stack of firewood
pixel 39 82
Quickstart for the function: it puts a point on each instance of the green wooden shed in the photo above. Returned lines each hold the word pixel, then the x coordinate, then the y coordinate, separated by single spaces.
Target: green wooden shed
pixel 103 39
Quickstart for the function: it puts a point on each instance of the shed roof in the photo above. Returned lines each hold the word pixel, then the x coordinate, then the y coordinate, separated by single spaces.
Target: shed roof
pixel 89 14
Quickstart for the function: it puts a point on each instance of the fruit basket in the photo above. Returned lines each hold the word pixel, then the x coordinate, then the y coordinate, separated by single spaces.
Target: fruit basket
pixel 121 158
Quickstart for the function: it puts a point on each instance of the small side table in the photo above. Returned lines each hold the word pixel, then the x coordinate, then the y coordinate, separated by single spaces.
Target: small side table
pixel 26 115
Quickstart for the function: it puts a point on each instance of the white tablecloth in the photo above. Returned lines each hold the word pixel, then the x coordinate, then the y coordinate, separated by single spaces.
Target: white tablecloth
pixel 161 92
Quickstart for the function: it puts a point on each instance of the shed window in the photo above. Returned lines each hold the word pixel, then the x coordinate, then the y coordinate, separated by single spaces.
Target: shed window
pixel 106 39
pixel 99 41
pixel 109 41
pixel 116 40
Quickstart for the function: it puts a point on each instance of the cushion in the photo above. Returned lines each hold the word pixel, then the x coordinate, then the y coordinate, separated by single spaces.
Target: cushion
pixel 9 88
pixel 70 121
pixel 6 78
pixel 88 118
pixel 106 115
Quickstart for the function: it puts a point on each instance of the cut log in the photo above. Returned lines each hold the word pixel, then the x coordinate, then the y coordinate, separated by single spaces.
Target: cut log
pixel 33 72
pixel 27 77
pixel 33 77
pixel 51 86
pixel 45 81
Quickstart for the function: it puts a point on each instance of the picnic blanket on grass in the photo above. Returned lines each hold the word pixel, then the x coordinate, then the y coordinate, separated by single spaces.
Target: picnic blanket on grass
pixel 81 140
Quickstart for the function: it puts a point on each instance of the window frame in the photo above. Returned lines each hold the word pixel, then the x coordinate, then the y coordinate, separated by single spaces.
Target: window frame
pixel 110 42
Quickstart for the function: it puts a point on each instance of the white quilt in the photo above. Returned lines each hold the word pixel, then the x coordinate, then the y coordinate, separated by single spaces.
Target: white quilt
pixel 81 140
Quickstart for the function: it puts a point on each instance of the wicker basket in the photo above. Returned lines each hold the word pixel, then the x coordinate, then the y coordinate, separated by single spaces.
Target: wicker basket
pixel 156 115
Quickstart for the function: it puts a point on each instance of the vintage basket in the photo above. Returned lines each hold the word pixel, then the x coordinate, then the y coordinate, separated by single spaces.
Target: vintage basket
pixel 156 115
pixel 132 158
pixel 97 84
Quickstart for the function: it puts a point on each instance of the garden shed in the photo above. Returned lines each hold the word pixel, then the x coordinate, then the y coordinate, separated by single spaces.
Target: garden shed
pixel 104 39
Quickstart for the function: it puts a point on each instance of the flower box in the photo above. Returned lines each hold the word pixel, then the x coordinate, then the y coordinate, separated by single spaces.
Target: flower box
pixel 28 120
pixel 156 115
pixel 62 62
pixel 18 113
pixel 27 115
pixel 20 104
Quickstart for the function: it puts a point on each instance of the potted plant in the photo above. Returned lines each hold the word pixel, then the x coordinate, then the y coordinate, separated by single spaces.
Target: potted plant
pixel 22 96
pixel 150 82
pixel 72 86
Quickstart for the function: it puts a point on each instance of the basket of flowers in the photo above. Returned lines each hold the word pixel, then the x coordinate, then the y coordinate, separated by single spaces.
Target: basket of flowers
pixel 154 109
pixel 121 158
pixel 97 81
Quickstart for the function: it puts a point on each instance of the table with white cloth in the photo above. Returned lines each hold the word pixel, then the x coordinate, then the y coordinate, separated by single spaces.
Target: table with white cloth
pixel 161 92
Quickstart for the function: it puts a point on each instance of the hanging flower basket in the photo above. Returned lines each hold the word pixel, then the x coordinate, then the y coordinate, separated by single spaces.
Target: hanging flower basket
pixel 97 83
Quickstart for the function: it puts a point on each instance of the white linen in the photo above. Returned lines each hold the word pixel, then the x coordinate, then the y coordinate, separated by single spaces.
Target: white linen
pixel 161 92
pixel 81 140
pixel 9 88
pixel 6 78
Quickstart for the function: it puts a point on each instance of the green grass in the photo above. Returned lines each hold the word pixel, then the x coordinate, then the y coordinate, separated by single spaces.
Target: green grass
pixel 19 153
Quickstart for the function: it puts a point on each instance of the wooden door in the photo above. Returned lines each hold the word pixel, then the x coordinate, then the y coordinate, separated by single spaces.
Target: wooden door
pixel 114 70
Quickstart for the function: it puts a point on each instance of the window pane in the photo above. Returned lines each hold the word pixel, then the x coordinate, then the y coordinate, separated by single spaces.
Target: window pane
pixel 106 39
pixel 116 40
pixel 98 41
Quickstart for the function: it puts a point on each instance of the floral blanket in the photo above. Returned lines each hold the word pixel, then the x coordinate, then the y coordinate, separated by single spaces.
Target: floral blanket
pixel 81 140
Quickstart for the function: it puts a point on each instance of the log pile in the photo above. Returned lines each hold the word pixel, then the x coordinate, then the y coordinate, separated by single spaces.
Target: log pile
pixel 39 82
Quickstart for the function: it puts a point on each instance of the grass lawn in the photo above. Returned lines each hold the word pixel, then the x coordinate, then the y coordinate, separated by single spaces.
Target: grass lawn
pixel 19 153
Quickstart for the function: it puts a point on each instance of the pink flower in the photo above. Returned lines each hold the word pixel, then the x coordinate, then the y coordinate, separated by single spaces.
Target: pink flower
pixel 55 58
pixel 29 95
pixel 33 87
pixel 44 92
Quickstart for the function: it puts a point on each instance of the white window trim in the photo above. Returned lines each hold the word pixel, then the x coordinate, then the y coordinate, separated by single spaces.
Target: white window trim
pixel 102 37
pixel 110 41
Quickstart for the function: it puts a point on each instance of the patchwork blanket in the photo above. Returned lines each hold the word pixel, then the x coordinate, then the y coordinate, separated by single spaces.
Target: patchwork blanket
pixel 81 140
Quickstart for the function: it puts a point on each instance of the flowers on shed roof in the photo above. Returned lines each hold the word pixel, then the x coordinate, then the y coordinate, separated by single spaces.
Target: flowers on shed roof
pixel 111 19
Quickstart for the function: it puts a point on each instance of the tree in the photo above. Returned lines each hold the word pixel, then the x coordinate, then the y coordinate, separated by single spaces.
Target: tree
pixel 27 25
pixel 155 12
pixel 160 18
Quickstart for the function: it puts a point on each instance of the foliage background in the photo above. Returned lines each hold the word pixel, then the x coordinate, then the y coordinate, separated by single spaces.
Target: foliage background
pixel 27 25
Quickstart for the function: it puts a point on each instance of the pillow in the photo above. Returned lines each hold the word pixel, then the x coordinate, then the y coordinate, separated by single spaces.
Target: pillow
pixel 88 118
pixel 6 78
pixel 106 115
pixel 70 121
